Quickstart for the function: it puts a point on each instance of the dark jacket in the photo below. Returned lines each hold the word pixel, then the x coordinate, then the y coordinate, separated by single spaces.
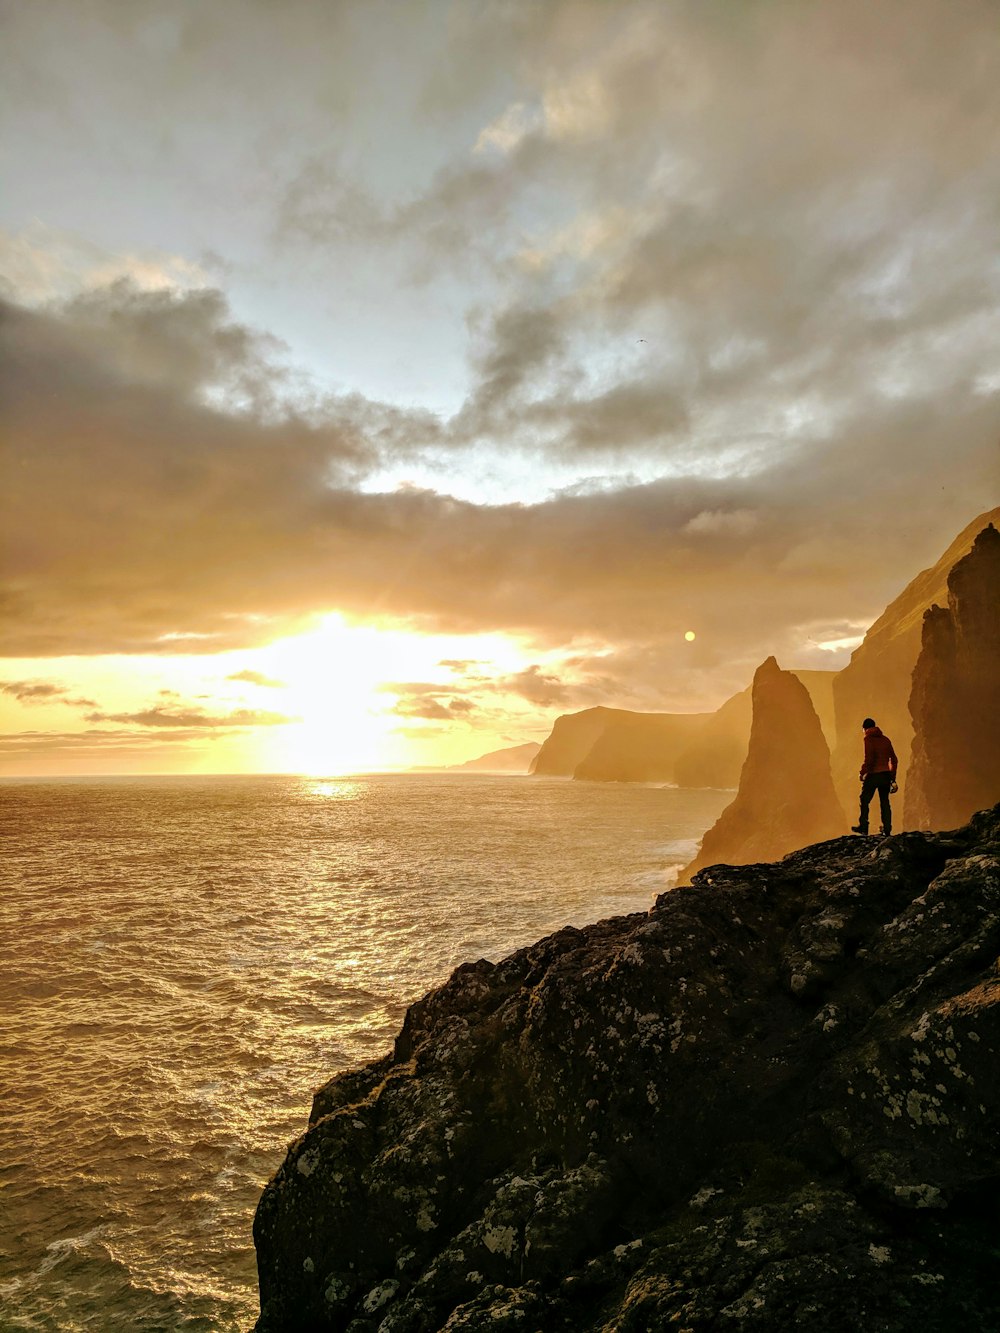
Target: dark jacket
pixel 880 757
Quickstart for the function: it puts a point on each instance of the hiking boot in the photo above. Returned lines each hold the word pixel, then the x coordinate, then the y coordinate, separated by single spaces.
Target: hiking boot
pixel 885 832
pixel 859 828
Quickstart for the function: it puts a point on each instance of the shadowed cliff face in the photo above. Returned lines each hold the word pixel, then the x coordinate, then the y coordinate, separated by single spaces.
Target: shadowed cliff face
pixel 877 679
pixel 641 747
pixel 716 755
pixel 785 798
pixel 955 702
pixel 770 1103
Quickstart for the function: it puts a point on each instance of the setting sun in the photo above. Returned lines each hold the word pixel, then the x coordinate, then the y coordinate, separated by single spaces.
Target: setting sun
pixel 354 693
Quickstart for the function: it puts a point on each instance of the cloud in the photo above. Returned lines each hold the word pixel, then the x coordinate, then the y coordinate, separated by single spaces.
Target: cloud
pixel 738 262
pixel 425 699
pixel 462 664
pixel 230 527
pixel 30 690
pixel 509 129
pixel 537 686
pixel 38 691
pixel 434 709
pixel 44 263
pixel 195 718
pixel 19 744
pixel 257 678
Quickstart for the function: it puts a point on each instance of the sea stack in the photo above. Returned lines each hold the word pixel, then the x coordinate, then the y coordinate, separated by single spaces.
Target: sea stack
pixel 955 701
pixel 786 797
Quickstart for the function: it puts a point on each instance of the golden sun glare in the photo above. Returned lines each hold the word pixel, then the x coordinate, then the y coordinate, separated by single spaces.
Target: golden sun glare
pixel 337 680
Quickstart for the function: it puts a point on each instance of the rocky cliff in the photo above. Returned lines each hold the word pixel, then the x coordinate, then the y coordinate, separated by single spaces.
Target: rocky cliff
pixel 690 749
pixel 955 701
pixel 785 797
pixel 877 679
pixel 770 1103
pixel 641 747
pixel 820 686
pixel 570 740
pixel 716 754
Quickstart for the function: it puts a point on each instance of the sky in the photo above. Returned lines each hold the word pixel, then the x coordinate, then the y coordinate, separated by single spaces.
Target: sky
pixel 380 380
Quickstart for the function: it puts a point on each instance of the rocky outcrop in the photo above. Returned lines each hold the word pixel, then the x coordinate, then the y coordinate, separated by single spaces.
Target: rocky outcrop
pixel 770 1103
pixel 512 759
pixel 877 680
pixel 785 798
pixel 955 701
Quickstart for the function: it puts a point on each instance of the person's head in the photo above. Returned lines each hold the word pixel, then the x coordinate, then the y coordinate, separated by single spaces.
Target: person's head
pixel 868 722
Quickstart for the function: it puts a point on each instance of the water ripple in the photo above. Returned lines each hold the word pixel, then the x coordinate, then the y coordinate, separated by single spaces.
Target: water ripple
pixel 183 961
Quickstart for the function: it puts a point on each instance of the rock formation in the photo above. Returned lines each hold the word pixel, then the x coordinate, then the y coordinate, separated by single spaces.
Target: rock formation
pixel 640 747
pixel 570 740
pixel 820 686
pixel 770 1103
pixel 689 749
pixel 512 759
pixel 785 798
pixel 955 702
pixel 715 756
pixel 876 681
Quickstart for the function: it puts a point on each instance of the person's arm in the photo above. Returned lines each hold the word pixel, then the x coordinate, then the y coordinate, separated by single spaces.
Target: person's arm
pixel 893 762
pixel 865 761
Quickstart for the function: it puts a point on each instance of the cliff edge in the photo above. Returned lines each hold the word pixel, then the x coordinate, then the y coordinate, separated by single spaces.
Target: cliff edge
pixel 769 1103
pixel 955 699
pixel 877 679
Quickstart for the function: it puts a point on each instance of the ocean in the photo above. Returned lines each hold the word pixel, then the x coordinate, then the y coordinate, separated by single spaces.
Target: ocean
pixel 183 961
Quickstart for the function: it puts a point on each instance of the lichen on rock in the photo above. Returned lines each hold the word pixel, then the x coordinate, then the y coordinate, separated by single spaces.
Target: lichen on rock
pixel 769 1103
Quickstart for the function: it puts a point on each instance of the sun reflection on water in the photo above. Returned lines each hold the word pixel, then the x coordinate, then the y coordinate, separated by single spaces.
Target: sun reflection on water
pixel 332 789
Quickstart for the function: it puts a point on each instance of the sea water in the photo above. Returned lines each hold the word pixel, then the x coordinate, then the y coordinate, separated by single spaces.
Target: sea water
pixel 183 961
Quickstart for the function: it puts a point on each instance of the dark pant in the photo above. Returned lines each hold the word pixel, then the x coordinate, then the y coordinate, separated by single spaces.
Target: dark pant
pixel 876 782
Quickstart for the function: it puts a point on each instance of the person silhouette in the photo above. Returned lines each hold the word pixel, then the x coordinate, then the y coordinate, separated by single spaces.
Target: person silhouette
pixel 878 774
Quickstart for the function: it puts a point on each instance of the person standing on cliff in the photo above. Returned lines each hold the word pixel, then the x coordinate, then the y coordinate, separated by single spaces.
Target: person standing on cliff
pixel 878 774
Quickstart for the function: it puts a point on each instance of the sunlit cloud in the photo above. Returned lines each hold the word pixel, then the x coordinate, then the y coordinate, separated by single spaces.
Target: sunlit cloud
pixel 195 718
pixel 38 691
pixel 257 678
pixel 556 331
pixel 44 263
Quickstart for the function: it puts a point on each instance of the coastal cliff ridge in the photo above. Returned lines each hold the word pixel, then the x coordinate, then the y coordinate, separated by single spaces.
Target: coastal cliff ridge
pixel 770 1102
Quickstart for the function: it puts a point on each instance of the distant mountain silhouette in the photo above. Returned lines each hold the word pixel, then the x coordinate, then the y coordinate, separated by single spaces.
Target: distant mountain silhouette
pixel 955 701
pixel 785 798
pixel 512 759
